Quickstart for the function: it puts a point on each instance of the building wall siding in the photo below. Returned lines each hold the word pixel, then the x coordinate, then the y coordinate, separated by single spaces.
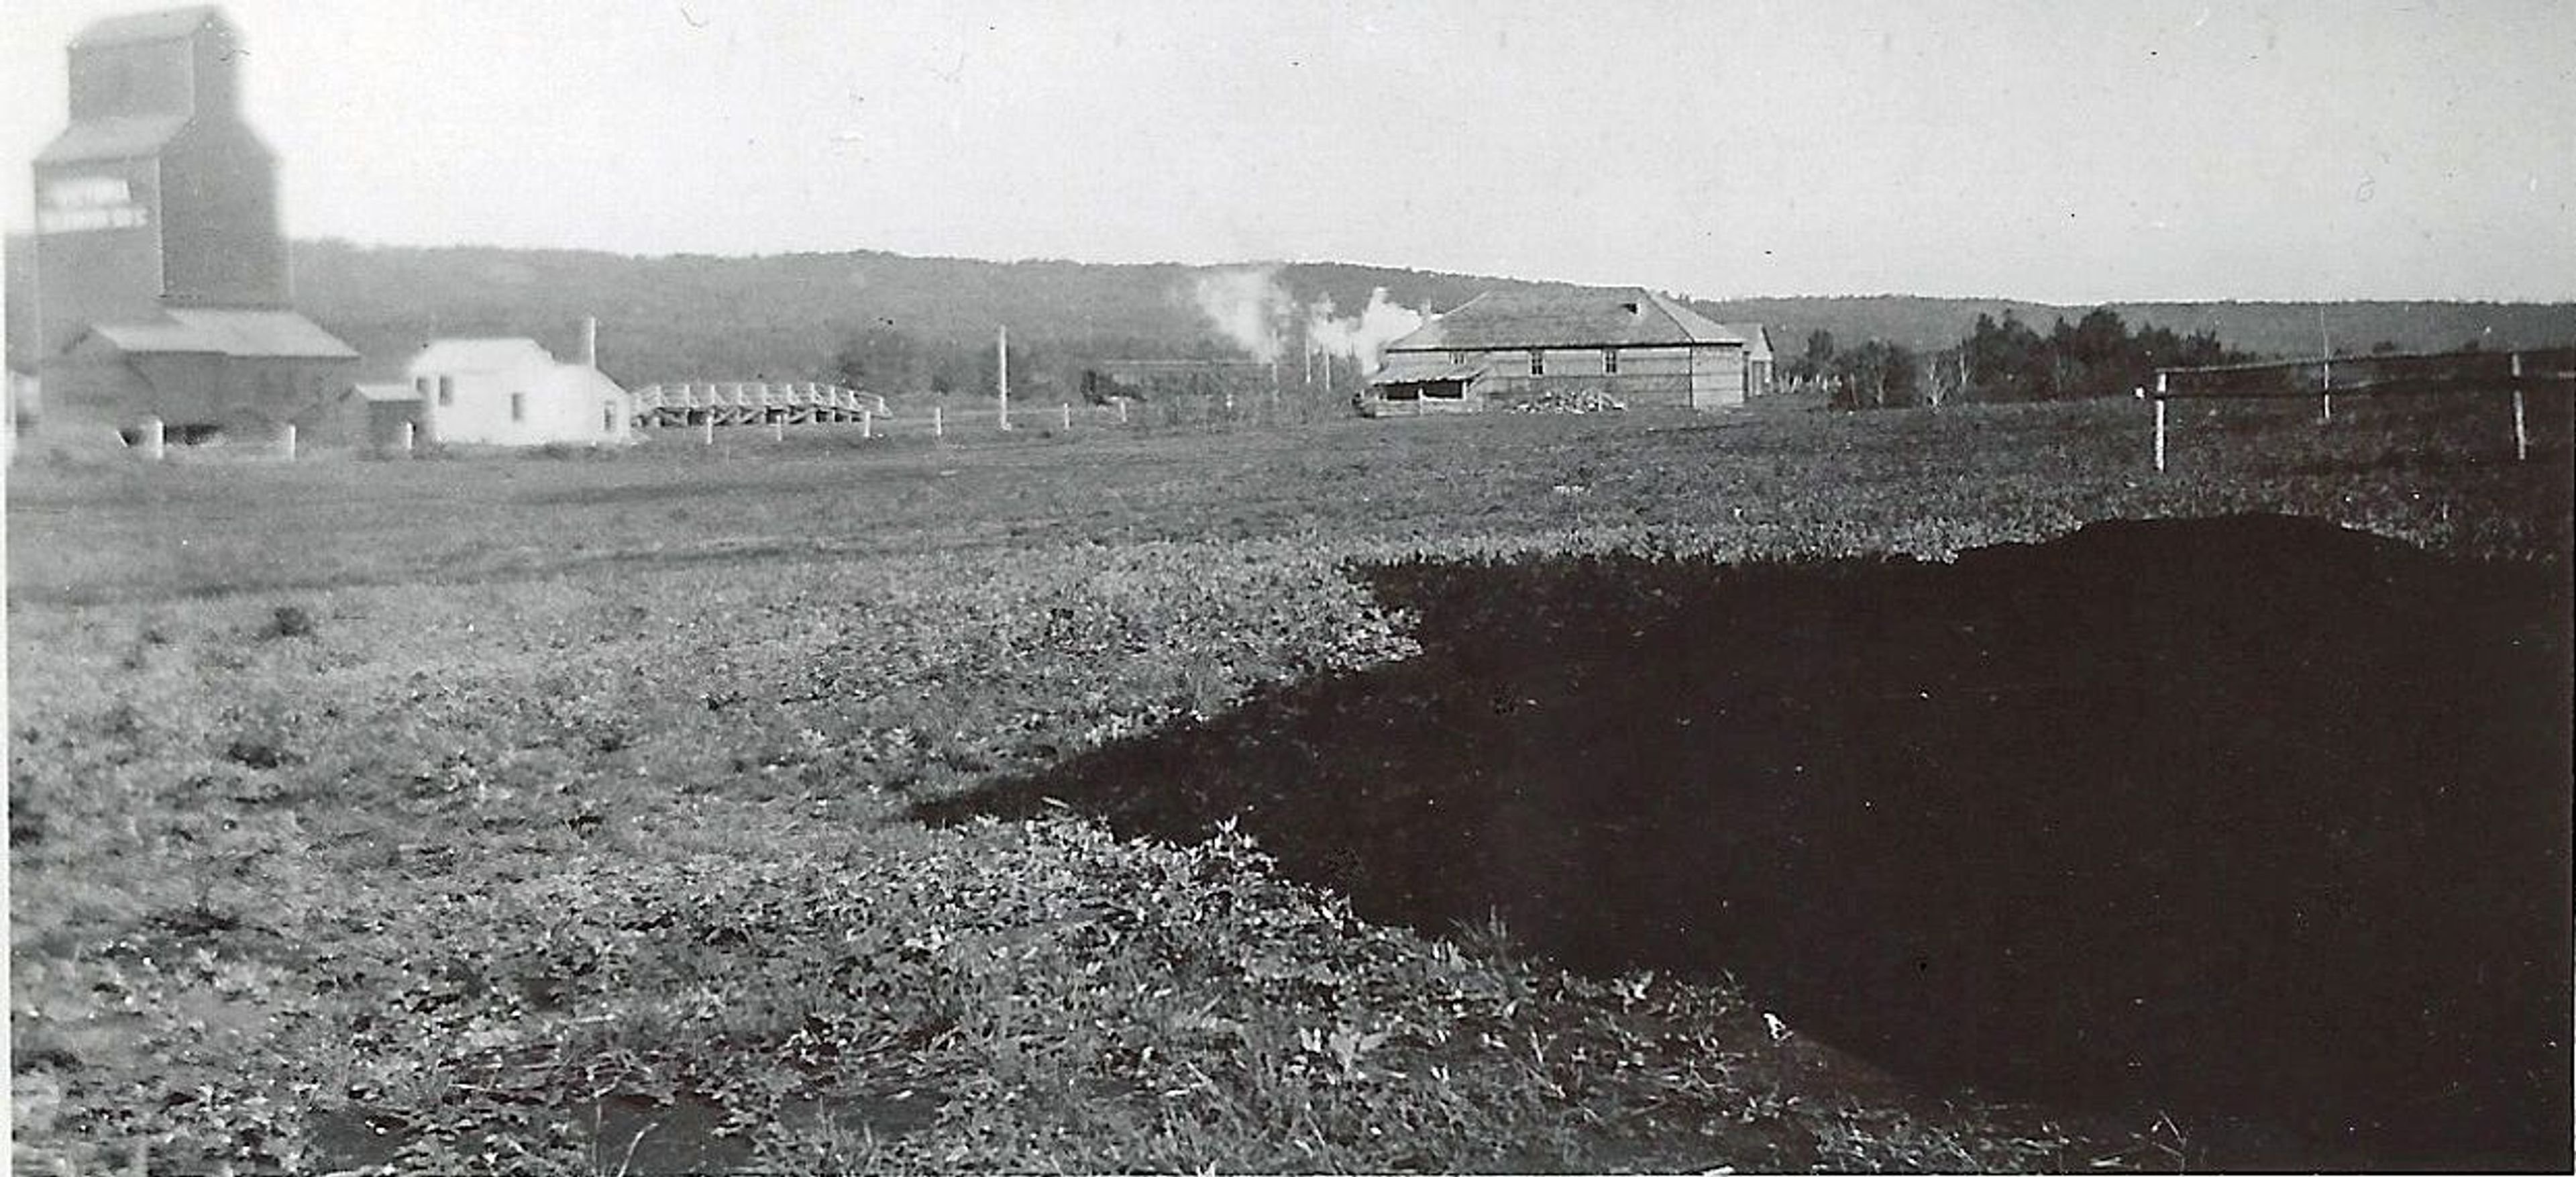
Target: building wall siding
pixel 221 245
pixel 1671 377
pixel 96 275
pixel 565 403
pixel 1717 377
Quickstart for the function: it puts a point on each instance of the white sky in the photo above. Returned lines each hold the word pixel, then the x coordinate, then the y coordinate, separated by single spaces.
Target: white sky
pixel 2066 152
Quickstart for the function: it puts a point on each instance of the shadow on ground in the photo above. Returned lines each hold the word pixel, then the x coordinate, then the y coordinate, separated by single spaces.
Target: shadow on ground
pixel 2254 820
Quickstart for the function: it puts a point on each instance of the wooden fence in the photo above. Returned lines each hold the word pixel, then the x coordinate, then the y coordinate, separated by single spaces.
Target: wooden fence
pixel 2401 374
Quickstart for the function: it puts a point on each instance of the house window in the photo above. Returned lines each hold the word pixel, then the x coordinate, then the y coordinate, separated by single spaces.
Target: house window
pixel 518 406
pixel 1538 362
pixel 608 418
pixel 1457 357
pixel 1609 361
pixel 446 391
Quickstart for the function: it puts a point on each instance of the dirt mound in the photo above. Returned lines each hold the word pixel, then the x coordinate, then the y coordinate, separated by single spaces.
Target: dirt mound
pixel 2252 816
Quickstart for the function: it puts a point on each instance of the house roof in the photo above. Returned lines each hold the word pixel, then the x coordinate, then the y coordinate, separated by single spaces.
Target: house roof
pixel 139 28
pixel 244 333
pixel 479 355
pixel 1566 317
pixel 123 136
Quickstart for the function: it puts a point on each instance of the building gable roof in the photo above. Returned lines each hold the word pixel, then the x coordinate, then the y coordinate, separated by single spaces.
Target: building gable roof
pixel 123 136
pixel 480 355
pixel 1566 317
pixel 246 334
pixel 142 28
pixel 1757 340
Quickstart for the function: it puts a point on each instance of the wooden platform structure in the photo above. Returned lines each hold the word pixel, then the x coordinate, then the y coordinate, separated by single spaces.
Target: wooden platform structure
pixel 2395 374
pixel 752 402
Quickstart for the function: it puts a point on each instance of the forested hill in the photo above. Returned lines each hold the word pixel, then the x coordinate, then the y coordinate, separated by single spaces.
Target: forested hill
pixel 794 316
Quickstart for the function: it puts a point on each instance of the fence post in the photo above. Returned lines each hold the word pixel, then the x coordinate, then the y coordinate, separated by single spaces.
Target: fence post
pixel 938 426
pixel 707 428
pixel 2521 435
pixel 777 425
pixel 155 441
pixel 289 438
pixel 406 439
pixel 1068 416
pixel 2160 422
pixel 1122 410
pixel 867 424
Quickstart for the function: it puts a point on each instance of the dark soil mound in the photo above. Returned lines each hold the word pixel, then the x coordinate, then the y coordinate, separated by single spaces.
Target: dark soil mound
pixel 2254 817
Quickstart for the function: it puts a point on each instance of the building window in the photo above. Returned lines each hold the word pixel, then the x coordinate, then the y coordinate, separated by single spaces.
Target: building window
pixel 518 406
pixel 446 391
pixel 608 418
pixel 1609 361
pixel 1538 362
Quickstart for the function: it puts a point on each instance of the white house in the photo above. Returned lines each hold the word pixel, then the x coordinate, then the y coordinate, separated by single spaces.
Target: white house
pixel 514 392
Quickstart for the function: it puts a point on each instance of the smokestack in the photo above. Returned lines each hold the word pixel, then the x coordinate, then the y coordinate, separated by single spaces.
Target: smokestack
pixel 590 341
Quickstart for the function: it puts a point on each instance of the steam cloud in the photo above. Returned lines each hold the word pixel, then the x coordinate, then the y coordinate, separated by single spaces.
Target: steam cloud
pixel 1249 306
pixel 1252 308
pixel 1381 322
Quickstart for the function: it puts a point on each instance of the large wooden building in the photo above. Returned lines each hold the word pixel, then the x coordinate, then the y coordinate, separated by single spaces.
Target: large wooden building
pixel 1632 347
pixel 161 270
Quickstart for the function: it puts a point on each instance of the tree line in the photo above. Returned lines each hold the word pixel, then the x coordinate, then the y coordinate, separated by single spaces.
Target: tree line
pixel 2000 361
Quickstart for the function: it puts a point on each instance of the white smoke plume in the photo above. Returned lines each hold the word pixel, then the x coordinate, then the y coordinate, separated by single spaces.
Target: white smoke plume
pixel 1365 336
pixel 1249 306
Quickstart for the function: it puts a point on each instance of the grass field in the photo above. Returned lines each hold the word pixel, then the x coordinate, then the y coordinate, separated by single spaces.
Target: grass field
pixel 557 814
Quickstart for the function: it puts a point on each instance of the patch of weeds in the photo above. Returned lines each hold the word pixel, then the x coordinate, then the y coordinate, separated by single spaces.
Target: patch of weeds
pixel 286 621
pixel 258 751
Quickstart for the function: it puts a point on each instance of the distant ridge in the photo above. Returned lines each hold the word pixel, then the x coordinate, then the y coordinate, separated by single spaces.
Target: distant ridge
pixel 785 316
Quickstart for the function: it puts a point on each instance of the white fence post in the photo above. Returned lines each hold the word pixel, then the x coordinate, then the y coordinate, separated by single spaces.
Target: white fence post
pixel 707 428
pixel 867 425
pixel 289 438
pixel 1068 416
pixel 2160 422
pixel 155 440
pixel 938 427
pixel 406 439
pixel 2521 435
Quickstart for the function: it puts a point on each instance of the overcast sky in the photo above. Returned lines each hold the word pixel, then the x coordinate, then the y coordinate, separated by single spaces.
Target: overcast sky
pixel 2065 152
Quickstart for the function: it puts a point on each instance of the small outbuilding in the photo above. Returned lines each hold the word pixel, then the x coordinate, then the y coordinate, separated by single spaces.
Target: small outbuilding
pixel 375 416
pixel 514 392
pixel 1569 345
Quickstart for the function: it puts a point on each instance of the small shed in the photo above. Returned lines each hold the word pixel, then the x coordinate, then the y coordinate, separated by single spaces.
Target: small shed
pixel 514 392
pixel 374 415
pixel 1418 389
